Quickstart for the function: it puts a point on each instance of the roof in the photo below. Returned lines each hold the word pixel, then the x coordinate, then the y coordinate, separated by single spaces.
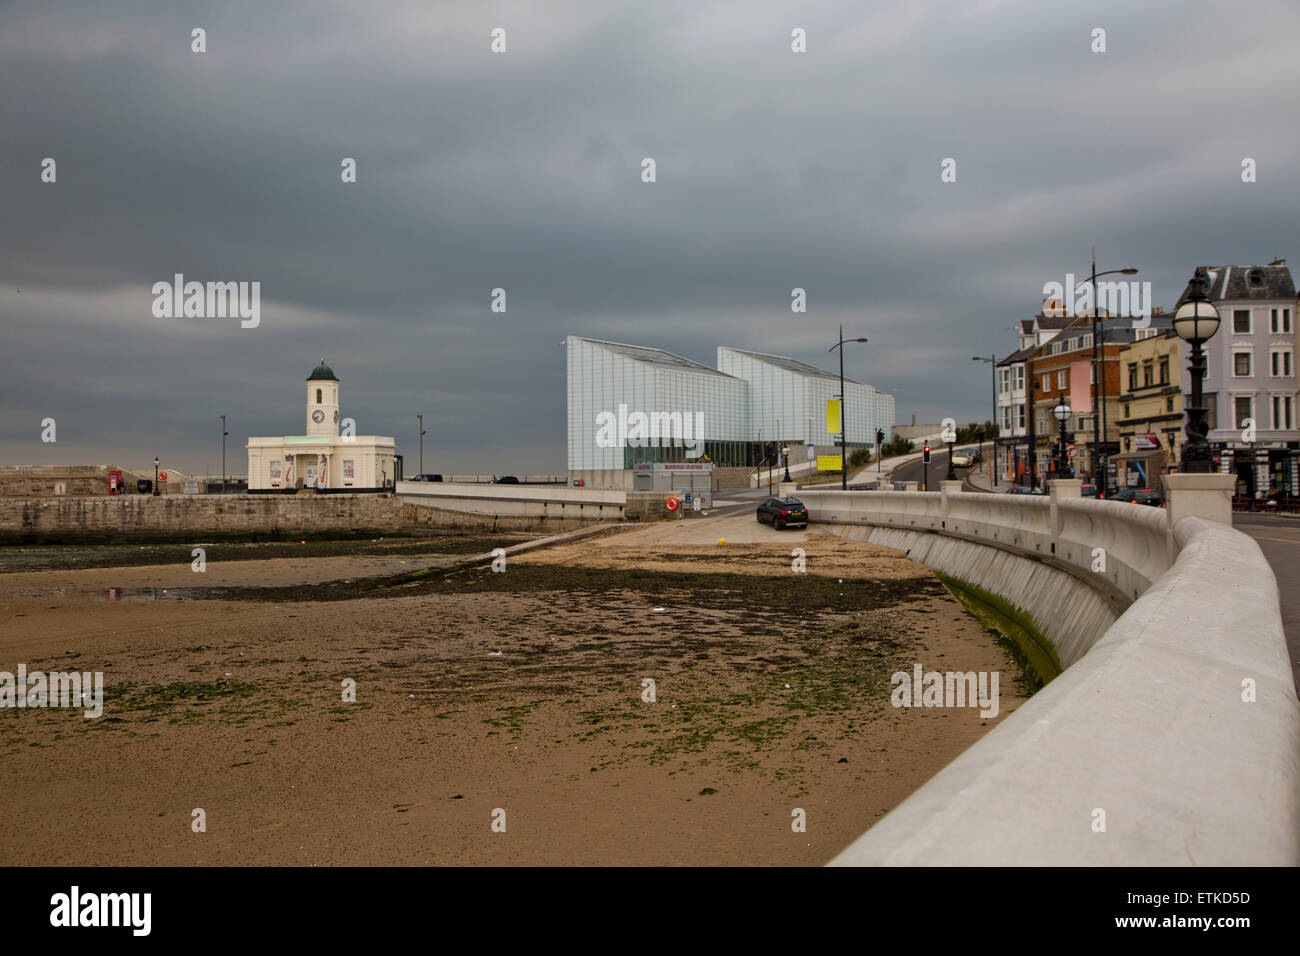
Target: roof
pixel 322 373
pixel 791 365
pixel 1272 281
pixel 1019 356
pixel 652 356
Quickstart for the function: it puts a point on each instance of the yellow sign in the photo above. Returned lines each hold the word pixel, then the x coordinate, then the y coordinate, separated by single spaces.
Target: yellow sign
pixel 829 463
pixel 833 417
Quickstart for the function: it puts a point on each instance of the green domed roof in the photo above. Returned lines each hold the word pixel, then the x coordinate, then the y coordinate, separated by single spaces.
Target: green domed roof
pixel 322 372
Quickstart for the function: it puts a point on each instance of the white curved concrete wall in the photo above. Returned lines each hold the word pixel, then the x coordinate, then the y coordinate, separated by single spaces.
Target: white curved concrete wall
pixel 1148 729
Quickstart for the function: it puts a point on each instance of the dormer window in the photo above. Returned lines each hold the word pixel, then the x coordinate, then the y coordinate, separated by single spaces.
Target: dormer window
pixel 1255 277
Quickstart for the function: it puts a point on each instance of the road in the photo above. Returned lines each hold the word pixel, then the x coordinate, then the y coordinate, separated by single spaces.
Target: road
pixel 1279 539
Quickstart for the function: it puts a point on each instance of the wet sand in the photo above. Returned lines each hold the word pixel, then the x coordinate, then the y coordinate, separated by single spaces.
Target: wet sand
pixel 476 692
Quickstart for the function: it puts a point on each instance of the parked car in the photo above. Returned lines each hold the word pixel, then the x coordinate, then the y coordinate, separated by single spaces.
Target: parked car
pixel 1024 490
pixel 1141 496
pixel 782 512
pixel 505 480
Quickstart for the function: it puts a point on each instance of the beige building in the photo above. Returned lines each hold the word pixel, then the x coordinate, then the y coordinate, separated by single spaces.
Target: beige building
pixel 326 459
pixel 1151 411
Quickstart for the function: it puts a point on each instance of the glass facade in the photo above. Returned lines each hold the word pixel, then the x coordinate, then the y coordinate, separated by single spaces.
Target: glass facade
pixel 749 398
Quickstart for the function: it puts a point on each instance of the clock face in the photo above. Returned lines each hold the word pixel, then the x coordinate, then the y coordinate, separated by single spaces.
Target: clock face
pixel 318 416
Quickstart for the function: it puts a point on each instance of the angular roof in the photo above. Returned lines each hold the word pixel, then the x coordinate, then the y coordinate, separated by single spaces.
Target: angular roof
pixel 652 356
pixel 1019 356
pixel 791 365
pixel 1272 281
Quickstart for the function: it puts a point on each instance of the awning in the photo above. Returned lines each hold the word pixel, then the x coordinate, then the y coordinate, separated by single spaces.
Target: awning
pixel 1142 455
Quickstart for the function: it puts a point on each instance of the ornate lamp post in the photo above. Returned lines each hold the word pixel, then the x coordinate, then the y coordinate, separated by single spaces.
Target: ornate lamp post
pixel 155 475
pixel 1062 414
pixel 785 453
pixel 1196 321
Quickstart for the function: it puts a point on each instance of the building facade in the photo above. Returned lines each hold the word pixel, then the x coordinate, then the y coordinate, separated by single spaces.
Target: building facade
pixel 327 458
pixel 631 405
pixel 1151 430
pixel 1250 384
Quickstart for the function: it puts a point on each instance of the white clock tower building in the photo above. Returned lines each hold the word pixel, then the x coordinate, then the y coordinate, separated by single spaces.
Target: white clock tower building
pixel 328 458
pixel 323 401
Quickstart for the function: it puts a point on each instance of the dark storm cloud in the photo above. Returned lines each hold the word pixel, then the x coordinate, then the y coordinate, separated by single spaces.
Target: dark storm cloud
pixel 522 171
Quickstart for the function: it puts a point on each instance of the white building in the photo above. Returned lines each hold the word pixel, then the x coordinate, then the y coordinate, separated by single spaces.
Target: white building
pixel 323 459
pixel 787 401
pixel 630 405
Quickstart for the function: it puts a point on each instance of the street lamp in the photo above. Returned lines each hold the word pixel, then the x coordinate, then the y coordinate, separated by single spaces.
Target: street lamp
pixel 224 433
pixel 1098 407
pixel 420 419
pixel 1196 321
pixel 785 452
pixel 1062 413
pixel 155 475
pixel 993 439
pixel 844 462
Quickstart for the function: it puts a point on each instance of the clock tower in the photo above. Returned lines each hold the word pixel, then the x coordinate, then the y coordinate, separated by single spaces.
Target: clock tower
pixel 323 402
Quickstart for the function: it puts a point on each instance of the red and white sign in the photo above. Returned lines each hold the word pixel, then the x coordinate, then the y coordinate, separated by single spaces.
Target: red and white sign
pixel 1072 451
pixel 1146 441
pixel 672 504
pixel 162 476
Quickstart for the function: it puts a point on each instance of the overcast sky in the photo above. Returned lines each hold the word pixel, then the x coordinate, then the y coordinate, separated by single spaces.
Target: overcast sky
pixel 522 170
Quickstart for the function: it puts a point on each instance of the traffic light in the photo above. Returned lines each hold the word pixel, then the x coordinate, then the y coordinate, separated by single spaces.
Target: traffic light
pixel 880 437
pixel 925 454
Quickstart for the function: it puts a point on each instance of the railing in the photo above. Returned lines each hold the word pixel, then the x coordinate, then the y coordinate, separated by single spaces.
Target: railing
pixel 1174 738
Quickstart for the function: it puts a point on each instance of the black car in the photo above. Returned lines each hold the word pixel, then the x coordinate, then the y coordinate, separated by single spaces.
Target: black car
pixel 782 512
pixel 1141 496
pixel 506 480
pixel 427 478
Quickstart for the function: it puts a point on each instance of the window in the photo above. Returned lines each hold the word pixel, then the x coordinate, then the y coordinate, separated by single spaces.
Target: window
pixel 1280 363
pixel 1004 380
pixel 1282 412
pixel 1020 416
pixel 1127 412
pixel 1132 376
pixel 1148 374
pixel 1241 321
pixel 1071 344
pixel 1141 334
pixel 1047 382
pixel 1087 341
pixel 318 396
pixel 1019 378
pixel 1060 379
pixel 1279 321
pixel 1241 364
pixel 1169 404
pixel 1041 428
pixel 1164 370
pixel 1241 406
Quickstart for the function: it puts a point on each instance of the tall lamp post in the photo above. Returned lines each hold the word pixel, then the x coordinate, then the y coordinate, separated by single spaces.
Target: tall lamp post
pixel 844 461
pixel 993 439
pixel 420 419
pixel 224 433
pixel 1098 406
pixel 785 452
pixel 1196 321
pixel 1062 414
pixel 155 475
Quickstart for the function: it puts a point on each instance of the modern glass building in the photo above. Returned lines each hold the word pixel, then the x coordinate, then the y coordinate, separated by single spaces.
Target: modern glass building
pixel 787 400
pixel 630 405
